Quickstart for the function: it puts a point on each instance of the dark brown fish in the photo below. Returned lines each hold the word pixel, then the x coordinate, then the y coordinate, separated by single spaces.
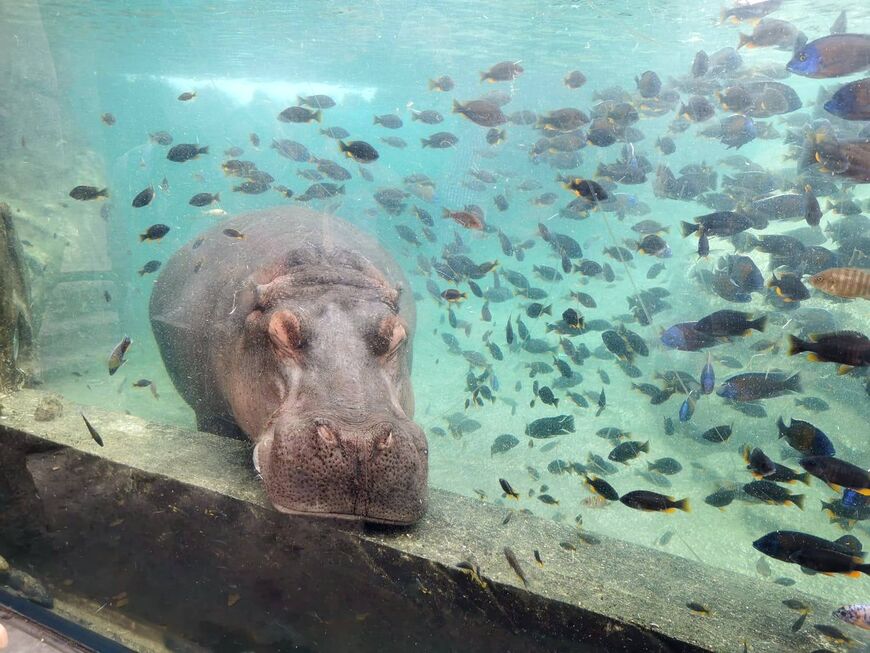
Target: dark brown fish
pixel 143 198
pixel 849 348
pixel 481 112
pixel 515 565
pixel 92 431
pixel 504 71
pixel 88 193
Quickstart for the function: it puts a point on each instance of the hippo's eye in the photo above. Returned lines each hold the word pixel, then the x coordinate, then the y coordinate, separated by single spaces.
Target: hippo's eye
pixel 390 334
pixel 286 334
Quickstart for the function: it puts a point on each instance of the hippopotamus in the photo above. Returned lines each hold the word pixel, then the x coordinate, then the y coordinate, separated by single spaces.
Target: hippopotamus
pixel 293 329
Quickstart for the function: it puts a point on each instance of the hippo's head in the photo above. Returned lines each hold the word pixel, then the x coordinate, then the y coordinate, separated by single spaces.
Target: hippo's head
pixel 332 363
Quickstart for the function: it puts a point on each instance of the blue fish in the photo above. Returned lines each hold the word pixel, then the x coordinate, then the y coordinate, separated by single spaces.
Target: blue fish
pixel 708 377
pixel 852 101
pixel 832 56
pixel 683 336
pixel 687 409
pixel 852 499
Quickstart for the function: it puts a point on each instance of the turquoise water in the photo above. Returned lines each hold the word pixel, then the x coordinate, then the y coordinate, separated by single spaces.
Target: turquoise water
pixel 247 63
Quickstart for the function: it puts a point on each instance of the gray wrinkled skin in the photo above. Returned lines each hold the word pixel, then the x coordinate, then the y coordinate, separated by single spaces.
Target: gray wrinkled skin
pixel 298 336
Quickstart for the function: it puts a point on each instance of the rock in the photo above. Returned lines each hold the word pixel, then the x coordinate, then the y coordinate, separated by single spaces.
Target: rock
pixel 30 588
pixel 49 408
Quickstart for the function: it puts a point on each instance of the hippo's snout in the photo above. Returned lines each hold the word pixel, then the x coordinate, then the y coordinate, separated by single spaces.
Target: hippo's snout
pixel 376 472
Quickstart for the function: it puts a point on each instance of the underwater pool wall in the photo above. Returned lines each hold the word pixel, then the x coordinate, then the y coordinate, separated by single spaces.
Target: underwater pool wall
pixel 175 547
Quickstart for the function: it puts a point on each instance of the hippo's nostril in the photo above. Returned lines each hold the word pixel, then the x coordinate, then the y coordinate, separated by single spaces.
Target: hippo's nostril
pixel 385 442
pixel 327 436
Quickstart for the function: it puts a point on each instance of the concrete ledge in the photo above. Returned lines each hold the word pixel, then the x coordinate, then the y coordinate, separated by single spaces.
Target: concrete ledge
pixel 167 533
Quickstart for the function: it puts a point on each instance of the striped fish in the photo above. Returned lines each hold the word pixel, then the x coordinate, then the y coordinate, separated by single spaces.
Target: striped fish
pixel 857 615
pixel 843 282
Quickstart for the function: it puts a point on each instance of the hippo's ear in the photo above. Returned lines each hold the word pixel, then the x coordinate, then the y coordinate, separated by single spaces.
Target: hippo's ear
pixel 390 335
pixel 285 332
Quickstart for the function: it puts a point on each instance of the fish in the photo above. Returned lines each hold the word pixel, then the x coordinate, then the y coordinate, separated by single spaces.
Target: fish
pixel 588 189
pixel 757 462
pixel 359 151
pixel 575 79
pixel 648 84
pixel 806 438
pixel 843 282
pixel 233 233
pixel 116 358
pixel 699 608
pixel 857 614
pixel 315 101
pixel 813 552
pixel 251 188
pixel 717 434
pixel 92 431
pixel 654 245
pixel 467 219
pixel 708 377
pixel 848 348
pixel 752 386
pixel 187 96
pixel 548 427
pixel 601 487
pixel 146 383
pixel 440 140
pixel 834 634
pixel 602 403
pixel 653 502
pixel 504 71
pixel 852 101
pixel 721 497
pixel 453 295
pixel 815 404
pixel 789 287
pixel 720 223
pixel 836 55
pixel 749 10
pixel 772 32
pixel 388 120
pixel 442 84
pixel 515 565
pixel 666 466
pixel 204 199
pixel 696 109
pixel 429 116
pixel 300 115
pixel 770 492
pixel 108 119
pixel 837 473
pixel 143 198
pixel 629 450
pixel 161 138
pixel 149 267
pixel 481 112
pixel 85 193
pixel 685 337
pixel 508 490
pixel 504 442
pixel 727 323
pixel 185 152
pixel 154 232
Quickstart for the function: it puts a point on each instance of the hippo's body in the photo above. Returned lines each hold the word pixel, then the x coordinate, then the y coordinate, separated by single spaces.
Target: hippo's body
pixel 298 336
